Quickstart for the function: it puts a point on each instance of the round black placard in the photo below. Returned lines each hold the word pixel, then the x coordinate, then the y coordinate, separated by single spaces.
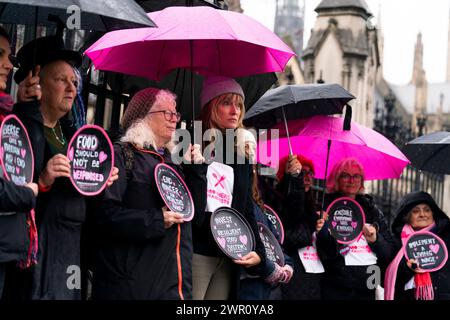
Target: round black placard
pixel 92 159
pixel 174 191
pixel 15 151
pixel 273 249
pixel 232 232
pixel 276 222
pixel 345 220
pixel 428 249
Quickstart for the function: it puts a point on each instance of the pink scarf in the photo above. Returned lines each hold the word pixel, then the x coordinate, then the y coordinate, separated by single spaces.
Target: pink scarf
pixel 6 105
pixel 424 289
pixel 33 246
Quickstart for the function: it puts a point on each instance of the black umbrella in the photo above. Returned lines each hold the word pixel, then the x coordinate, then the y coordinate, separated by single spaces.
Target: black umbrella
pixel 100 15
pixel 297 101
pixel 430 152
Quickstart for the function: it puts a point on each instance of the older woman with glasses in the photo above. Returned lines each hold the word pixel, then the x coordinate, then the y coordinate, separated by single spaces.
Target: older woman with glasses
pixel 145 250
pixel 347 274
pixel 405 280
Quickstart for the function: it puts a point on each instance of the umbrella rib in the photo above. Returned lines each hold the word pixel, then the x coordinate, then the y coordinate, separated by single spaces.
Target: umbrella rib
pixel 159 59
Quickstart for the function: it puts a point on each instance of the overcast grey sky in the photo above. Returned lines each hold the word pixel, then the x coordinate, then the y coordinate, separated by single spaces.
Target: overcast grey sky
pixel 400 21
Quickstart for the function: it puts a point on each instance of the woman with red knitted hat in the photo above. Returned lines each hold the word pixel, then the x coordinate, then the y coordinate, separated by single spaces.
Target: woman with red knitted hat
pixel 145 249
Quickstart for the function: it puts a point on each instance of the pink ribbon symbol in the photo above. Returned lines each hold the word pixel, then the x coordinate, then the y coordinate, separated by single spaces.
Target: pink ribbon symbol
pixel 219 180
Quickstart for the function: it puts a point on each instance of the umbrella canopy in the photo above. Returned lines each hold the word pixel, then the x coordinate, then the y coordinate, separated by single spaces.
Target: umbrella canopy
pixel 298 101
pixel 430 152
pixel 179 82
pixel 100 15
pixel 380 158
pixel 203 39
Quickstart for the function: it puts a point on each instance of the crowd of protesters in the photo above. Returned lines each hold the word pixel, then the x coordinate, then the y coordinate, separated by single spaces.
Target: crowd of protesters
pixel 142 250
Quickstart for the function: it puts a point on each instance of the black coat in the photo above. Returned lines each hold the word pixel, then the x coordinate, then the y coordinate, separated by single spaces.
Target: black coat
pixel 60 214
pixel 14 202
pixel 352 279
pixel 137 258
pixel 299 220
pixel 204 243
pixel 440 278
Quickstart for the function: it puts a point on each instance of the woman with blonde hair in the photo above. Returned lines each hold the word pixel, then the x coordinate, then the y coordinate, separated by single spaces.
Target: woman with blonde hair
pixel 346 274
pixel 229 183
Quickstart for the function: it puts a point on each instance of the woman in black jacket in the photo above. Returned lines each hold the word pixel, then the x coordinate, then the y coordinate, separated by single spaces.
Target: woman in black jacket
pixel 145 250
pixel 299 217
pixel 45 101
pixel 347 269
pixel 215 276
pixel 417 212
pixel 15 201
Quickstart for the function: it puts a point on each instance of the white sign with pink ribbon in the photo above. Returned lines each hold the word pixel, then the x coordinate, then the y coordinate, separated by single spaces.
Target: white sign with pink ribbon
pixel 310 258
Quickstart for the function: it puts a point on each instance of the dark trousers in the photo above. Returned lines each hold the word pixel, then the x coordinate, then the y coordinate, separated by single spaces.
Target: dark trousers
pixel 254 289
pixel 330 292
pixel 2 278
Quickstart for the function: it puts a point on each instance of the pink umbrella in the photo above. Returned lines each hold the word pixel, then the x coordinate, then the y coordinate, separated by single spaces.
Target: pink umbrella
pixel 203 39
pixel 380 158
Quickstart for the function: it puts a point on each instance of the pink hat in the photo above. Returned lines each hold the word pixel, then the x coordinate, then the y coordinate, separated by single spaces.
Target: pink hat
pixel 216 86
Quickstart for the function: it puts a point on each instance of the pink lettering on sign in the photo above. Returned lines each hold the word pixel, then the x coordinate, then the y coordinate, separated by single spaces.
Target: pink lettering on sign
pixel 312 256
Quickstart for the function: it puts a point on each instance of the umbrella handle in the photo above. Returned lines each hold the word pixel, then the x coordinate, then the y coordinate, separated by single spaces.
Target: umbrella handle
pixel 326 173
pixel 287 132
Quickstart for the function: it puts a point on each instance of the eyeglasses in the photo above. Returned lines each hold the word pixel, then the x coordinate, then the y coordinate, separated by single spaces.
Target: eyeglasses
pixel 169 114
pixel 346 176
pixel 308 173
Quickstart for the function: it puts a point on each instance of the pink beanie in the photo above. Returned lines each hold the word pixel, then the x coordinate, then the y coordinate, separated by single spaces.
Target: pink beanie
pixel 216 86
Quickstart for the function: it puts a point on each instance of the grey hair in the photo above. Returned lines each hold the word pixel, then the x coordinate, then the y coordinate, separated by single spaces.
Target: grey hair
pixel 141 134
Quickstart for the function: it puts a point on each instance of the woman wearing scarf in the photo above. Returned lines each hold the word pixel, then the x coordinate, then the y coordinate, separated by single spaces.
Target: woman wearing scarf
pixel 404 280
pixel 15 201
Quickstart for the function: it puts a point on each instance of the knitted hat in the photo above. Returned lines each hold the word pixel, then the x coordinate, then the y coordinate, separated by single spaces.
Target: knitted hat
pixel 216 86
pixel 139 106
pixel 43 51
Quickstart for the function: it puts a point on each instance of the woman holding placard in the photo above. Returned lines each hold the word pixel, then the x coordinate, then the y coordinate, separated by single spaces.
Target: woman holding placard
pixel 145 249
pixel 215 276
pixel 300 215
pixel 352 266
pixel 279 269
pixel 45 101
pixel 15 200
pixel 425 274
